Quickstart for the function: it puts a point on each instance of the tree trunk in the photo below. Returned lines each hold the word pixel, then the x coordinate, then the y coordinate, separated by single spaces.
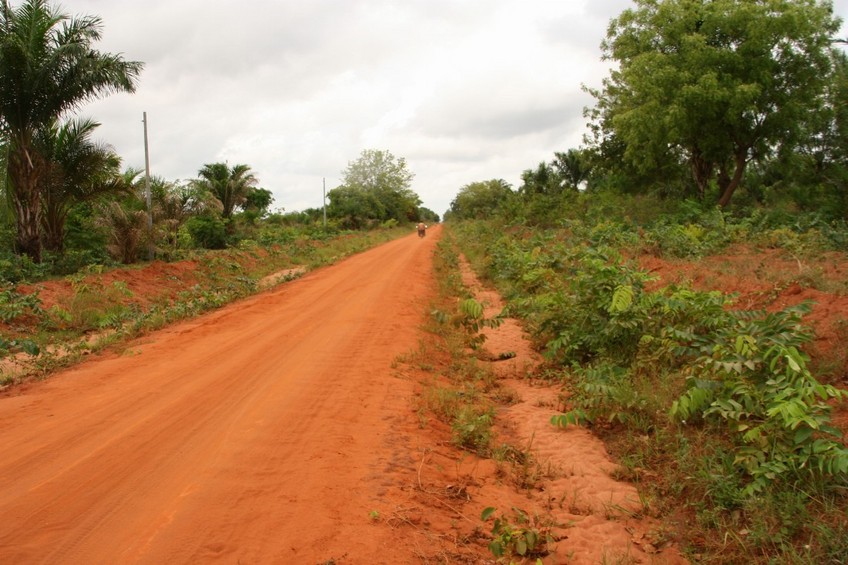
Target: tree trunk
pixel 702 171
pixel 727 185
pixel 53 224
pixel 23 177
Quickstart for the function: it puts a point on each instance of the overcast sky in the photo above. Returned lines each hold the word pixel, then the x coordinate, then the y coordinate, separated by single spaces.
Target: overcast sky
pixel 464 90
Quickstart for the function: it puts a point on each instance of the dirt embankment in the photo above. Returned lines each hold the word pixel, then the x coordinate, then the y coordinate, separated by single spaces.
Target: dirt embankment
pixel 771 279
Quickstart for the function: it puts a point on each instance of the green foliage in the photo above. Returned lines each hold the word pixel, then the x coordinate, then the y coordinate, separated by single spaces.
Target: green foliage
pixel 695 231
pixel 427 215
pixel 14 305
pixel 545 179
pixel 92 306
pixel 752 376
pixel 522 537
pixel 480 200
pixel 471 428
pixel 258 200
pixel 233 187
pixel 208 232
pixel 17 268
pixel 127 231
pixel 721 403
pixel 48 66
pixel 77 170
pixel 375 188
pixel 697 80
pixel 14 346
pixel 604 392
pixel 472 321
pixel 590 310
pixel 585 303
pixel 460 403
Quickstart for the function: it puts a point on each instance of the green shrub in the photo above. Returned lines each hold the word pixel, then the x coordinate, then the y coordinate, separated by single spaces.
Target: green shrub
pixel 753 377
pixel 472 428
pixel 207 232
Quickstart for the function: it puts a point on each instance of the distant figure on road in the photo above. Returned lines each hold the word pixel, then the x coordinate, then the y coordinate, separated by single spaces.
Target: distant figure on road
pixel 422 229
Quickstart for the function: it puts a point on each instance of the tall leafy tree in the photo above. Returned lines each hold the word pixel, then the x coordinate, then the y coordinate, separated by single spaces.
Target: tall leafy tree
pixel 47 68
pixel 716 83
pixel 77 169
pixel 355 207
pixel 478 200
pixel 123 221
pixel 258 200
pixel 427 215
pixel 230 185
pixel 377 186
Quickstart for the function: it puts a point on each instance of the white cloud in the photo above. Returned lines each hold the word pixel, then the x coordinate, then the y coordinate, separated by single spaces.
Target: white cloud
pixel 464 90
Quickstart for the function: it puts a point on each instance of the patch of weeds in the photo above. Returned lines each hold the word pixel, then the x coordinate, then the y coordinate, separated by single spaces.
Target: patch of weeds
pixel 14 305
pixel 13 346
pixel 443 402
pixel 774 521
pixel 421 358
pixel 831 535
pixel 472 429
pixel 524 470
pixel 93 305
pixel 521 537
pixel 505 395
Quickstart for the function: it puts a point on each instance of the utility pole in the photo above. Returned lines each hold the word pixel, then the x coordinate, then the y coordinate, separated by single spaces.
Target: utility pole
pixel 147 195
pixel 324 201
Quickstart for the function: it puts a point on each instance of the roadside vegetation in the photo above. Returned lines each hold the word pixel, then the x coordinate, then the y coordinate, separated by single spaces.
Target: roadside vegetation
pixel 728 415
pixel 71 213
pixel 713 409
pixel 459 399
pixel 98 306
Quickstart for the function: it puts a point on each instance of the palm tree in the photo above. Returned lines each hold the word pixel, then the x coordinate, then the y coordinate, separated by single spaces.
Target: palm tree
pixel 543 180
pixel 77 170
pixel 126 228
pixel 572 167
pixel 229 185
pixel 6 217
pixel 175 203
pixel 47 68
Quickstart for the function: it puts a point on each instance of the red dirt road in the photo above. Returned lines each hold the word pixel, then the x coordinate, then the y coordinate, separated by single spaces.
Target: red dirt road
pixel 261 433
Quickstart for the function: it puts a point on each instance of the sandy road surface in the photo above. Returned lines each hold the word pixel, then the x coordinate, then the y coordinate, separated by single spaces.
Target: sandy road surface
pixel 257 434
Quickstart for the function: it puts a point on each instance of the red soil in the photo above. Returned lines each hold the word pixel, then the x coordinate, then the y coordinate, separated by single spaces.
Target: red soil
pixel 771 279
pixel 146 284
pixel 265 432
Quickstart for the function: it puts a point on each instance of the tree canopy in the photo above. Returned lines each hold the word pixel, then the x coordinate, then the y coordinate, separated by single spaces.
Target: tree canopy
pixel 714 83
pixel 48 67
pixel 479 200
pixel 230 185
pixel 375 188
pixel 77 169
